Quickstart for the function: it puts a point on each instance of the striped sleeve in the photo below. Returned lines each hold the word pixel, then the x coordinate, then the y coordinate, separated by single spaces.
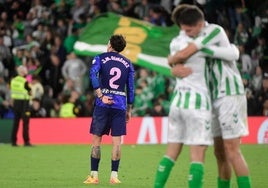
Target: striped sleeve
pixel 203 40
pixel 229 53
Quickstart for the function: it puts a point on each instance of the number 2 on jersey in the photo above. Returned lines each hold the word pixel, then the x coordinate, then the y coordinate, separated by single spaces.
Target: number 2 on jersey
pixel 116 73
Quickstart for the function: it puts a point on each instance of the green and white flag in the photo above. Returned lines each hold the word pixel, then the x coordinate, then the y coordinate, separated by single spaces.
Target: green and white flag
pixel 147 44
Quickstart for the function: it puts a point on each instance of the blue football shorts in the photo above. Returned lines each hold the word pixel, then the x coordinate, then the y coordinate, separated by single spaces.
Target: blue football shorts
pixel 108 120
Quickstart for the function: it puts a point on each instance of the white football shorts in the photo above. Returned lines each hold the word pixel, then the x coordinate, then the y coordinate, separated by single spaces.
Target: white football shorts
pixel 189 126
pixel 230 117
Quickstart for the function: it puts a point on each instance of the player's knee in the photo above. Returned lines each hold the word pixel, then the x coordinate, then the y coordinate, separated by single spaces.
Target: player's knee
pixel 232 151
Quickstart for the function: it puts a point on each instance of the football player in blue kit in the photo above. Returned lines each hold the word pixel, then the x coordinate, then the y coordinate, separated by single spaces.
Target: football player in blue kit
pixel 112 78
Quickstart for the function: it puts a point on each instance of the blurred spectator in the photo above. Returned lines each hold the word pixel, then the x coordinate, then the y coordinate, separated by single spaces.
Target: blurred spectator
pixel 37 111
pixel 31 45
pixel 58 48
pixel 5 99
pixel 53 75
pixel 19 57
pixel 95 8
pixel 159 16
pixel 38 10
pixel 70 40
pixel 68 108
pixel 32 64
pixel 256 80
pixel 89 103
pixel 251 103
pixel 39 34
pixel 142 10
pixel 5 59
pixel 129 8
pixel 165 103
pixel 5 28
pixel 158 85
pixel 114 6
pixel 47 100
pixel 260 51
pixel 245 61
pixel 147 93
pixel 2 69
pixel 157 110
pixel 55 111
pixel 140 106
pixel 29 23
pixel 77 99
pixel 37 88
pixel 262 96
pixel 18 30
pixel 233 15
pixel 241 36
pixel 81 23
pixel 167 5
pixel 61 28
pixel 74 68
pixel 246 80
pixel 265 108
pixel 5 53
pixel 143 74
pixel 79 8
pixel 48 41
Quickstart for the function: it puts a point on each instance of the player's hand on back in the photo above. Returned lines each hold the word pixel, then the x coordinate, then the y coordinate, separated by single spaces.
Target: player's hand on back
pixel 107 100
pixel 181 71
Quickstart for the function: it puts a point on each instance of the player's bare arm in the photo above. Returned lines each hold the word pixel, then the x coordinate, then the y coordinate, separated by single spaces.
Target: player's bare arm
pixel 128 114
pixel 182 55
pixel 181 71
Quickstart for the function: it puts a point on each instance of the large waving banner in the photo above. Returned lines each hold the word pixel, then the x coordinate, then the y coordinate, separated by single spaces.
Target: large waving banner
pixel 147 44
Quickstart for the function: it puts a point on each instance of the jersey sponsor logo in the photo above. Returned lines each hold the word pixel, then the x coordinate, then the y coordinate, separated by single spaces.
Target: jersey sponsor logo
pixel 226 127
pixel 235 116
pixel 207 124
pixel 109 91
pixel 161 168
pixel 184 88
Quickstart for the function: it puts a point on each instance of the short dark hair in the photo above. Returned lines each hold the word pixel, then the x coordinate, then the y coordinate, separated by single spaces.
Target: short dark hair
pixel 177 12
pixel 191 16
pixel 118 42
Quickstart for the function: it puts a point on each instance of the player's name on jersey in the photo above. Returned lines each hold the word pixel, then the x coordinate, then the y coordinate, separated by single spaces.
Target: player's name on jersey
pixel 115 58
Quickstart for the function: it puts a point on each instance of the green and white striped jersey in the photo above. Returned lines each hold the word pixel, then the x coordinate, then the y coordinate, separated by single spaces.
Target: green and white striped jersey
pixel 191 92
pixel 224 75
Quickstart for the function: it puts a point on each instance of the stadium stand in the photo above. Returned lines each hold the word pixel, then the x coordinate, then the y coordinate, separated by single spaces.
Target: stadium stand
pixel 40 35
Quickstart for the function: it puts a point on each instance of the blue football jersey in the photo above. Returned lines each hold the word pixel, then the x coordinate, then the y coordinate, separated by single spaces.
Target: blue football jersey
pixel 114 75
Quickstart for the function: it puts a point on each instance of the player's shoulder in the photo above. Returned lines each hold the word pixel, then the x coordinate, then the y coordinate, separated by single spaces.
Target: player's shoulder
pixel 95 59
pixel 181 37
pixel 213 27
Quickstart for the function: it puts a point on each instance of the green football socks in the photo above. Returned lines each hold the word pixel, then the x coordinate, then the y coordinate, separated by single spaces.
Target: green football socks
pixel 243 182
pixel 223 183
pixel 196 175
pixel 163 171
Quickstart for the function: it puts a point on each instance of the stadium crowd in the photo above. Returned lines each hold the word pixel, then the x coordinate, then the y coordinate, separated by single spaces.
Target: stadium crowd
pixel 40 34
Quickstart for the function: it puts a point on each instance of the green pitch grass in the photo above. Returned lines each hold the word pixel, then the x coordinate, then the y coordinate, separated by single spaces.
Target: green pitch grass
pixel 56 166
